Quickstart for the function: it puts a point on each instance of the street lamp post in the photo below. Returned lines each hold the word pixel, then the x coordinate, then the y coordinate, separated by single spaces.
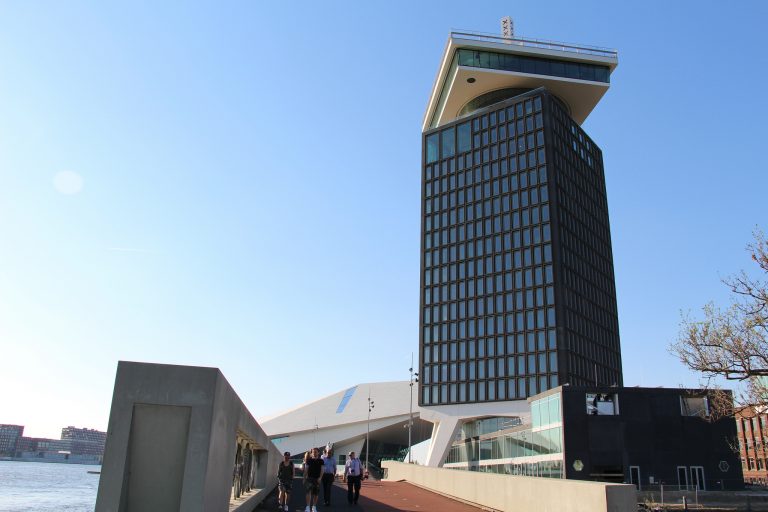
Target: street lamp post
pixel 368 433
pixel 414 379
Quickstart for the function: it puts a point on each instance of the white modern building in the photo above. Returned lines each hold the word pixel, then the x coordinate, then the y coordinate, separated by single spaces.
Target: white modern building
pixel 344 421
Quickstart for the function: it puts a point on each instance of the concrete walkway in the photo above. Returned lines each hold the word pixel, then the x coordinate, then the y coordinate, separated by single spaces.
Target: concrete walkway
pixel 376 497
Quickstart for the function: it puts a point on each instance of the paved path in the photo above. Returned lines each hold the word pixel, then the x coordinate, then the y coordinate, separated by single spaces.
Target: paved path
pixel 376 497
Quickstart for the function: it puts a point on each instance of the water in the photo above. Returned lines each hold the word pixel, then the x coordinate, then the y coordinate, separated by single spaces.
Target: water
pixel 47 487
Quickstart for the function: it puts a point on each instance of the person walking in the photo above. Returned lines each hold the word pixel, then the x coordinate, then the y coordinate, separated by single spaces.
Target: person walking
pixel 313 470
pixel 284 481
pixel 353 471
pixel 329 474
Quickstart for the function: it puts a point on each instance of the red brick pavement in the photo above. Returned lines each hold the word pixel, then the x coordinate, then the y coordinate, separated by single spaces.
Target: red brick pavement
pixel 402 496
pixel 376 497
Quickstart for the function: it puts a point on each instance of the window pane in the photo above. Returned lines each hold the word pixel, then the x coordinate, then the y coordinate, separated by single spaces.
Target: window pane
pixel 432 147
pixel 448 137
pixel 465 137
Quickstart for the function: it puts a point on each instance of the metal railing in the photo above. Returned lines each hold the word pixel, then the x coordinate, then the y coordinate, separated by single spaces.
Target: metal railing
pixel 538 43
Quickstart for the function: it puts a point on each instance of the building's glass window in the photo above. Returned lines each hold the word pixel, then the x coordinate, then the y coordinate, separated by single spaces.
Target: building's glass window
pixel 448 140
pixel 694 406
pixel 539 66
pixel 345 399
pixel 546 411
pixel 464 132
pixel 602 404
pixel 433 146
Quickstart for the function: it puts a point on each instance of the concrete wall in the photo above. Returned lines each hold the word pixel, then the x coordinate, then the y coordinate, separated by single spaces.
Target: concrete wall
pixel 518 493
pixel 172 439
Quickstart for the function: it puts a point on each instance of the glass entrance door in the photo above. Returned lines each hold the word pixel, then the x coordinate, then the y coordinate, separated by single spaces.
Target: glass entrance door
pixel 697 478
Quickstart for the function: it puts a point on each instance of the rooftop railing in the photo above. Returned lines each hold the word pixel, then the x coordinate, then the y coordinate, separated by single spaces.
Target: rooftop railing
pixel 539 43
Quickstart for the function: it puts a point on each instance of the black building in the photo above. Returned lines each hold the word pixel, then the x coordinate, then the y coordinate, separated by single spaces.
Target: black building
pixel 648 436
pixel 644 436
pixel 517 282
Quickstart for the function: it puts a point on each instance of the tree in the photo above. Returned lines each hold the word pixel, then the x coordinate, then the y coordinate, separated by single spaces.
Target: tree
pixel 732 343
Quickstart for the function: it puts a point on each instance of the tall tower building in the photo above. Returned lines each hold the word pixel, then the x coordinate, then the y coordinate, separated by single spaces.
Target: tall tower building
pixel 517 282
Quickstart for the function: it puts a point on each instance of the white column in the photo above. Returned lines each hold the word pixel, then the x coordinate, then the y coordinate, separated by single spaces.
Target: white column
pixel 443 433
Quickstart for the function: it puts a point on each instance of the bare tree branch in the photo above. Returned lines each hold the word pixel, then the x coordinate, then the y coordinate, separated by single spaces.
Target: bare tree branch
pixel 732 343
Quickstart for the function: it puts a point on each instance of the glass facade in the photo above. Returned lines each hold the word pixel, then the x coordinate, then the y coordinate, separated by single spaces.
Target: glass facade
pixel 589 324
pixel 517 290
pixel 533 65
pixel 514 449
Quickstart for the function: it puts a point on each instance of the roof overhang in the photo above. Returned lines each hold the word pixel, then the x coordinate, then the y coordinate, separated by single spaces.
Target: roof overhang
pixel 451 90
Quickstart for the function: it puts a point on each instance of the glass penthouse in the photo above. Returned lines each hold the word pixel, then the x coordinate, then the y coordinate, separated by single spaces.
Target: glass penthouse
pixel 517 283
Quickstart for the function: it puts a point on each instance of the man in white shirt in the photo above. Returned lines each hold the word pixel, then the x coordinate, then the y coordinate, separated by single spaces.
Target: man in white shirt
pixel 329 474
pixel 353 471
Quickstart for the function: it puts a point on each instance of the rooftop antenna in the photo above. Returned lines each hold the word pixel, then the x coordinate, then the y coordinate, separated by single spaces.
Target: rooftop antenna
pixel 507 27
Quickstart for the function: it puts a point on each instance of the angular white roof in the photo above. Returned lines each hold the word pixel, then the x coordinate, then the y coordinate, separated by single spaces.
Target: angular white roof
pixel 346 407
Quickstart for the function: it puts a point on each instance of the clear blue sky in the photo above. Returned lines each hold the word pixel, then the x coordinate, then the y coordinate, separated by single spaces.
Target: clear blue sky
pixel 237 185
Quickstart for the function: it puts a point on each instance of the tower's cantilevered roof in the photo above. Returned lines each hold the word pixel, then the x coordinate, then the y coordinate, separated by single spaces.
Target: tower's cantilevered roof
pixel 474 66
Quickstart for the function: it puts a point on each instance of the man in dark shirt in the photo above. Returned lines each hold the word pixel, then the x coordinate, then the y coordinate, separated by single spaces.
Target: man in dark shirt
pixel 284 481
pixel 313 470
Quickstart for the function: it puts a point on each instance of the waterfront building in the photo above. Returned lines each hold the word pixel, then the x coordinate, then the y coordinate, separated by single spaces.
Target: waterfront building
pixel 518 303
pixel 85 441
pixel 345 421
pixel 643 436
pixel 9 438
pixel 80 445
pixel 519 352
pixel 517 285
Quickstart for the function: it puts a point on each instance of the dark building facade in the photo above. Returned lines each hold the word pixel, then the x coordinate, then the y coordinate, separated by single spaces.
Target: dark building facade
pixel 517 292
pixel 648 436
pixel 9 438
pixel 643 436
pixel 517 288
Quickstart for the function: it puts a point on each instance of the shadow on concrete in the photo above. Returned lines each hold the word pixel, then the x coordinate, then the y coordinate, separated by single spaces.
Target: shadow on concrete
pixel 375 496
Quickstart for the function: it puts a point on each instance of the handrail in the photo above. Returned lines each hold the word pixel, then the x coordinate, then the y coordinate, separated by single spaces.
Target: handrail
pixel 539 43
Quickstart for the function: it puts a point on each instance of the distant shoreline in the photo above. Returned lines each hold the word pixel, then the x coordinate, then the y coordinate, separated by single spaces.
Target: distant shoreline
pixel 50 461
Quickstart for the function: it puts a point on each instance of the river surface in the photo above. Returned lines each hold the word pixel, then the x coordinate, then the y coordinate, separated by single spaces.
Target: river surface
pixel 47 487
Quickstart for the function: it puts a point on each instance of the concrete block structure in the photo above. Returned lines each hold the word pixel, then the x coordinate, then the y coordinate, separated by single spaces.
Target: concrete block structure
pixel 180 438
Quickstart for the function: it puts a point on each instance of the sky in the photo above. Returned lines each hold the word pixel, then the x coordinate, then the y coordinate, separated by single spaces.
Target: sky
pixel 237 185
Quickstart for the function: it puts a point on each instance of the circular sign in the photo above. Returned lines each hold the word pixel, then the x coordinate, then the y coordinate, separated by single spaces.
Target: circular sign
pixel 724 467
pixel 578 465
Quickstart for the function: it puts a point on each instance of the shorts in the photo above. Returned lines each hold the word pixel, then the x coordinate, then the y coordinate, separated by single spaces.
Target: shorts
pixel 312 486
pixel 285 485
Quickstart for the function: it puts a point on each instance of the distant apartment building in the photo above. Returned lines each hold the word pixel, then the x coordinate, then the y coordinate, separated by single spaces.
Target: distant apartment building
pixel 752 432
pixel 76 445
pixel 42 444
pixel 85 441
pixel 9 438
